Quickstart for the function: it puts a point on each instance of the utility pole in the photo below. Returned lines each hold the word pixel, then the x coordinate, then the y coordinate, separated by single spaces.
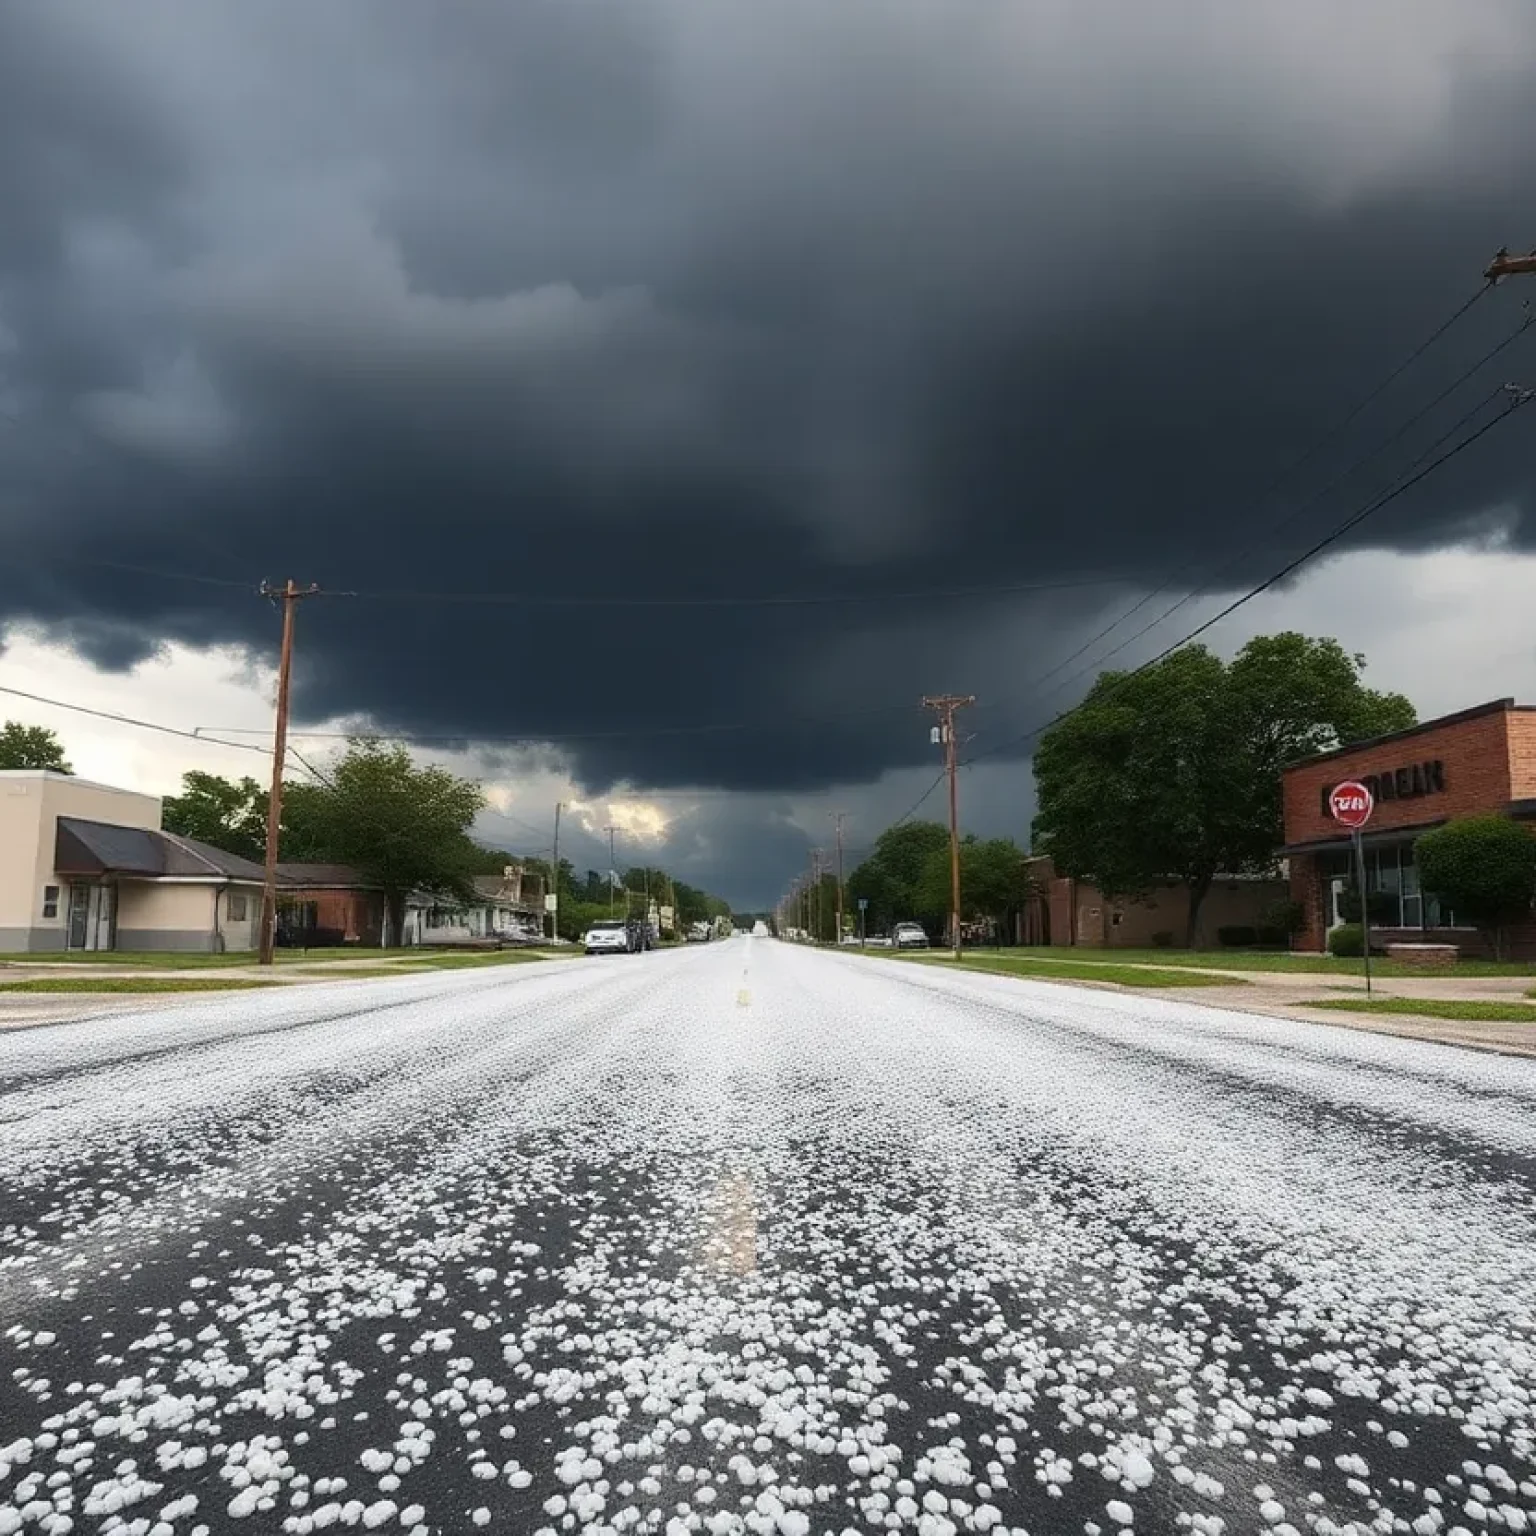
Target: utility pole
pixel 1505 265
pixel 613 872
pixel 944 734
pixel 838 817
pixel 288 595
pixel 817 855
pixel 554 880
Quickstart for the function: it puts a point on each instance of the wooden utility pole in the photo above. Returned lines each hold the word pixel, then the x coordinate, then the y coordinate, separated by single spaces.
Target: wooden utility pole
pixel 613 872
pixel 554 880
pixel 816 858
pixel 838 817
pixel 944 733
pixel 289 596
pixel 1505 265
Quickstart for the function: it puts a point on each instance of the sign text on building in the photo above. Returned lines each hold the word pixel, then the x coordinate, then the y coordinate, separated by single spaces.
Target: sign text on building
pixel 1398 783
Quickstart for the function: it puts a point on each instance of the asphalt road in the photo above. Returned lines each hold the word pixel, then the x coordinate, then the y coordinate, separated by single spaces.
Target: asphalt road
pixel 742 1238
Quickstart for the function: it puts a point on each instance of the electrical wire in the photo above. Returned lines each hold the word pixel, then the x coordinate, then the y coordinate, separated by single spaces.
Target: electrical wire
pixel 1286 522
pixel 1306 457
pixel 1516 401
pixel 146 725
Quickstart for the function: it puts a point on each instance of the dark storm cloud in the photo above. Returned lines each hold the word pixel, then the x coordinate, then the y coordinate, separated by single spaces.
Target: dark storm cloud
pixel 676 299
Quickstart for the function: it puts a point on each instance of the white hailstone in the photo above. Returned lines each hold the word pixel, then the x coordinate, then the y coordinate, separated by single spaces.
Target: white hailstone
pixel 1271 1511
pixel 480 1516
pixel 1120 1512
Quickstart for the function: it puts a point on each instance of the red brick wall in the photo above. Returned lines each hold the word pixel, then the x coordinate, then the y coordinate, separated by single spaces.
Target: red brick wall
pixel 1477 758
pixel 1522 754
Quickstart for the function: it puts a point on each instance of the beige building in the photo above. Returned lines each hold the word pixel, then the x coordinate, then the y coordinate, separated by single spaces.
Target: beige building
pixel 86 866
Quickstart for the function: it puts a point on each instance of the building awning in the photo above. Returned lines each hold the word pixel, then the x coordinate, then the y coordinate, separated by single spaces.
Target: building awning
pixel 1343 842
pixel 82 847
pixel 1517 810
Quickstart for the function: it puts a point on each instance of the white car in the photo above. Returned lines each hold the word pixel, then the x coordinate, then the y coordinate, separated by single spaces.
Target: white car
pixel 909 936
pixel 608 938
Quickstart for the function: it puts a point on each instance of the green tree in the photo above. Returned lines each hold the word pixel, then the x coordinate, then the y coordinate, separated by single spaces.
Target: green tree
pixel 1484 868
pixel 1173 773
pixel 31 746
pixel 228 813
pixel 892 880
pixel 992 878
pixel 404 828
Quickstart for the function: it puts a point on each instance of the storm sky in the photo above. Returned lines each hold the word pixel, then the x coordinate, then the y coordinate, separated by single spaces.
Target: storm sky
pixel 690 387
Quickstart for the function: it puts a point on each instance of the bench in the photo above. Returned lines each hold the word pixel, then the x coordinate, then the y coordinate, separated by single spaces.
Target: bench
pixel 1431 957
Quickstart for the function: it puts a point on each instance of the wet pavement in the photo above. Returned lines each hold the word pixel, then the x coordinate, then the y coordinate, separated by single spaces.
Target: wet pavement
pixel 744 1238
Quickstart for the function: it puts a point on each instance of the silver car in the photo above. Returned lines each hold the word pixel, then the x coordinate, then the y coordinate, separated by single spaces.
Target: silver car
pixel 909 936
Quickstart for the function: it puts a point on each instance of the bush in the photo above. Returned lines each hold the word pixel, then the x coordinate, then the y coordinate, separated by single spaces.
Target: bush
pixel 1347 941
pixel 1274 938
pixel 1286 917
pixel 1162 939
pixel 1237 936
pixel 1484 868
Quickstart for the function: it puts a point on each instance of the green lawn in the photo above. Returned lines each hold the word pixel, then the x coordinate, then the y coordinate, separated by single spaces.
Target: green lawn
pixel 1263 960
pixel 1020 963
pixel 152 959
pixel 95 984
pixel 1492 1011
pixel 451 962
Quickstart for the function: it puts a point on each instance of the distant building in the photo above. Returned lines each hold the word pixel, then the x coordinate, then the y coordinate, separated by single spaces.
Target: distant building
pixel 1066 912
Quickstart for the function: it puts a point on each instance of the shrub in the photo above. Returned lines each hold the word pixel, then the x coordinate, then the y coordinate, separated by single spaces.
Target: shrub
pixel 1484 868
pixel 1347 941
pixel 1273 938
pixel 1162 939
pixel 1237 936
pixel 1285 917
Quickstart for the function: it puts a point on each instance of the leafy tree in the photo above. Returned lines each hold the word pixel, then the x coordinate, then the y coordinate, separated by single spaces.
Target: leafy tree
pixel 1484 868
pixel 1174 773
pixel 892 880
pixel 404 828
pixel 992 878
pixel 31 746
pixel 228 813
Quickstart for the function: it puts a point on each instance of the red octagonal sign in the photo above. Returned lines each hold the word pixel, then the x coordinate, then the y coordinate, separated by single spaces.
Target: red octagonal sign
pixel 1351 804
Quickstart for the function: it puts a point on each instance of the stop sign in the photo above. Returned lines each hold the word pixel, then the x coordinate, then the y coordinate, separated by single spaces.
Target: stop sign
pixel 1351 803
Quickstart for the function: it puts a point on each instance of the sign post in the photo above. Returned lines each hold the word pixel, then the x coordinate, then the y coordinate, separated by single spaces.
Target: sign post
pixel 1351 804
pixel 863 908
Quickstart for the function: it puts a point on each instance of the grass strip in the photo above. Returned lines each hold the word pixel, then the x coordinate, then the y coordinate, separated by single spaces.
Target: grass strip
pixel 93 984
pixel 1067 970
pixel 1487 1011
pixel 1276 961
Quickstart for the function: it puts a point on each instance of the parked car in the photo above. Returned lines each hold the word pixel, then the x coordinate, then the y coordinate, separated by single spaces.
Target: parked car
pixel 909 936
pixel 609 938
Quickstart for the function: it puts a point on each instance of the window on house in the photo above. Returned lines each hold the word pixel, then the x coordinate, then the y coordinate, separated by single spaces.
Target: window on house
pixel 237 911
pixel 50 901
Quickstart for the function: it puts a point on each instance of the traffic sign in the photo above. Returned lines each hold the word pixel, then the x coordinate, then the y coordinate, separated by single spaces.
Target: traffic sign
pixel 1351 803
pixel 863 903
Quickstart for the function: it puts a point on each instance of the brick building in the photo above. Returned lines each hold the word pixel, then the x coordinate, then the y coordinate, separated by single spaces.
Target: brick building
pixel 1064 912
pixel 1479 761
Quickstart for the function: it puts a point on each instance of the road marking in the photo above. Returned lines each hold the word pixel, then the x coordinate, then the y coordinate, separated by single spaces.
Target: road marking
pixel 731 1247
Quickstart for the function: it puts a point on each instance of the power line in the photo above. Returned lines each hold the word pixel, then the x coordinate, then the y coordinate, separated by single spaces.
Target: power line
pixel 146 725
pixel 1304 458
pixel 779 600
pixel 1517 399
pixel 1312 501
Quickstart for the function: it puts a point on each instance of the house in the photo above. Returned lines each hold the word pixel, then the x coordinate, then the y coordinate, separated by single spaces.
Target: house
pixel 320 906
pixel 508 907
pixel 1062 911
pixel 86 866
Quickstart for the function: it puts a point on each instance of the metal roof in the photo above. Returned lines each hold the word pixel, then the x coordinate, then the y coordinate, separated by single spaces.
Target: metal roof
pixel 83 847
